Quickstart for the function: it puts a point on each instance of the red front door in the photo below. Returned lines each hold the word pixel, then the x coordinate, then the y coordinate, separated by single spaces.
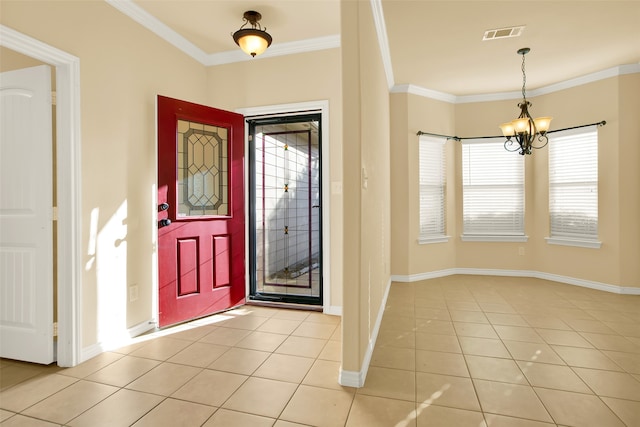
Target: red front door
pixel 200 210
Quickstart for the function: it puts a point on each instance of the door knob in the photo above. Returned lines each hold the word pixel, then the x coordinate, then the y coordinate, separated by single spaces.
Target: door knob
pixel 164 222
pixel 163 206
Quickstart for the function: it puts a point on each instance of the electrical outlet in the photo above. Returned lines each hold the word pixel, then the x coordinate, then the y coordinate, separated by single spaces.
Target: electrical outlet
pixel 521 251
pixel 133 293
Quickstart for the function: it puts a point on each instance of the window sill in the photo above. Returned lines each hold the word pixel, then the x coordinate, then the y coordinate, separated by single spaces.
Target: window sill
pixel 580 243
pixel 492 238
pixel 432 239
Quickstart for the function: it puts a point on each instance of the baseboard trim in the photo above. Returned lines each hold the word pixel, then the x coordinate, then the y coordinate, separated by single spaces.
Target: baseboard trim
pixel 141 328
pixel 357 378
pixel 90 352
pixel 124 339
pixel 622 290
pixel 423 276
pixel 334 310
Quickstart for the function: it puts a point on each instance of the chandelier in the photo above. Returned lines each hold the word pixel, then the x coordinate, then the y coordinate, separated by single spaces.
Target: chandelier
pixel 253 41
pixel 525 130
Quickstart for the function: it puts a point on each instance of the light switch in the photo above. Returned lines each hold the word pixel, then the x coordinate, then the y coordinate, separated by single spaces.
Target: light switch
pixel 336 188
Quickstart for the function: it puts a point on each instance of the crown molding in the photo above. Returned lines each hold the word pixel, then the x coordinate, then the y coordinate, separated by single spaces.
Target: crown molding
pixel 135 12
pixel 620 70
pixel 150 22
pixel 383 40
pixel 502 96
pixel 157 27
pixel 424 92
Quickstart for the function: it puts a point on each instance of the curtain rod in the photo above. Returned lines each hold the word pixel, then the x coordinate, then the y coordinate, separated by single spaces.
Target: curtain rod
pixel 457 138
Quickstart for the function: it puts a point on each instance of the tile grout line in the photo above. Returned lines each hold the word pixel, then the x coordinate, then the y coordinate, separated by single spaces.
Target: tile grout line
pixel 475 390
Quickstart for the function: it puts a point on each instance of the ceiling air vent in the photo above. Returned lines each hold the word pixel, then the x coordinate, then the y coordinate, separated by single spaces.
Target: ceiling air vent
pixel 503 33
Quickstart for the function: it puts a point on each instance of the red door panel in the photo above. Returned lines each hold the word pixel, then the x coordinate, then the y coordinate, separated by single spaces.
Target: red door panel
pixel 201 232
pixel 188 267
pixel 222 261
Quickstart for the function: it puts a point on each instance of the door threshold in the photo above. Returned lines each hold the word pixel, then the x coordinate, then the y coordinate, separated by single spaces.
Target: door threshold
pixel 287 305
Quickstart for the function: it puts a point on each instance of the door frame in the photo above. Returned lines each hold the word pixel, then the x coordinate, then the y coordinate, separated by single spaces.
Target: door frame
pixel 68 176
pixel 278 126
pixel 321 106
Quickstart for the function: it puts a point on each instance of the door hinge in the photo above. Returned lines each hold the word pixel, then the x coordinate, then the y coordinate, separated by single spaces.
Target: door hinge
pixel 55 329
pixel 54 213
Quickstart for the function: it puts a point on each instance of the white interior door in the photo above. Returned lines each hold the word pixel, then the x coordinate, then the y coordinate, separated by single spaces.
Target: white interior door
pixel 26 227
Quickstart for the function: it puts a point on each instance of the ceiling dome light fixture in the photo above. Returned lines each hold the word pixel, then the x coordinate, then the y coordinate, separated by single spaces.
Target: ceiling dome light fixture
pixel 254 40
pixel 525 129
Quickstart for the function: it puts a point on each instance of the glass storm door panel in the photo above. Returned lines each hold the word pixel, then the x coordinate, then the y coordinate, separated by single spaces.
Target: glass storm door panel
pixel 201 217
pixel 286 224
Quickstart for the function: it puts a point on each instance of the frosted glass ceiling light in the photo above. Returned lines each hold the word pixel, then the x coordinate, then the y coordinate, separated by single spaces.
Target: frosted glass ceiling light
pixel 254 40
pixel 525 129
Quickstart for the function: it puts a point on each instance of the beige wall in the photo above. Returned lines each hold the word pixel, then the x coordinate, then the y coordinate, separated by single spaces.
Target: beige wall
pixel 614 100
pixel 366 157
pixel 284 80
pixel 573 107
pixel 11 60
pixel 410 114
pixel 629 179
pixel 121 73
pixel 123 66
pixel 399 159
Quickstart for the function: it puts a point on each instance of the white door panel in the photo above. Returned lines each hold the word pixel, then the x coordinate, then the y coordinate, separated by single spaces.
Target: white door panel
pixel 26 229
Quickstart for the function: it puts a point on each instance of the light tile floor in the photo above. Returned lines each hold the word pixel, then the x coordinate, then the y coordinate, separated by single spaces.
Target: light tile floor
pixel 457 351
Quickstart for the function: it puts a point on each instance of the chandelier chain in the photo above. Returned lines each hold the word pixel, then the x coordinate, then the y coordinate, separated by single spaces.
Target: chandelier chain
pixel 524 81
pixel 523 132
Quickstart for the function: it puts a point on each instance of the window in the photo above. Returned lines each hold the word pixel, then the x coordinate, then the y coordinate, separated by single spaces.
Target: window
pixel 432 182
pixel 493 192
pixel 573 187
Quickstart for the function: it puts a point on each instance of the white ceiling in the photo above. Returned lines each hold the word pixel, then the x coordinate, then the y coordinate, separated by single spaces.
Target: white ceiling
pixel 435 45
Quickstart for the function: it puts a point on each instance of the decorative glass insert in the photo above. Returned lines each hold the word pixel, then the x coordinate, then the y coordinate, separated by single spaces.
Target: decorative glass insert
pixel 287 205
pixel 203 169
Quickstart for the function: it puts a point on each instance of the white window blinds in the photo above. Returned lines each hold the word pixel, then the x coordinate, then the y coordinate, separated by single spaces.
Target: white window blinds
pixel 432 193
pixel 573 184
pixel 493 190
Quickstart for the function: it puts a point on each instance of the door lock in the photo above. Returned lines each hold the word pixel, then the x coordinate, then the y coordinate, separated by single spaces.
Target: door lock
pixel 164 222
pixel 163 207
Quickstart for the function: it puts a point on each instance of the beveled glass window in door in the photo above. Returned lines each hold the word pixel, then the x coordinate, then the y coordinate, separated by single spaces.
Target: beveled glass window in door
pixel 203 167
